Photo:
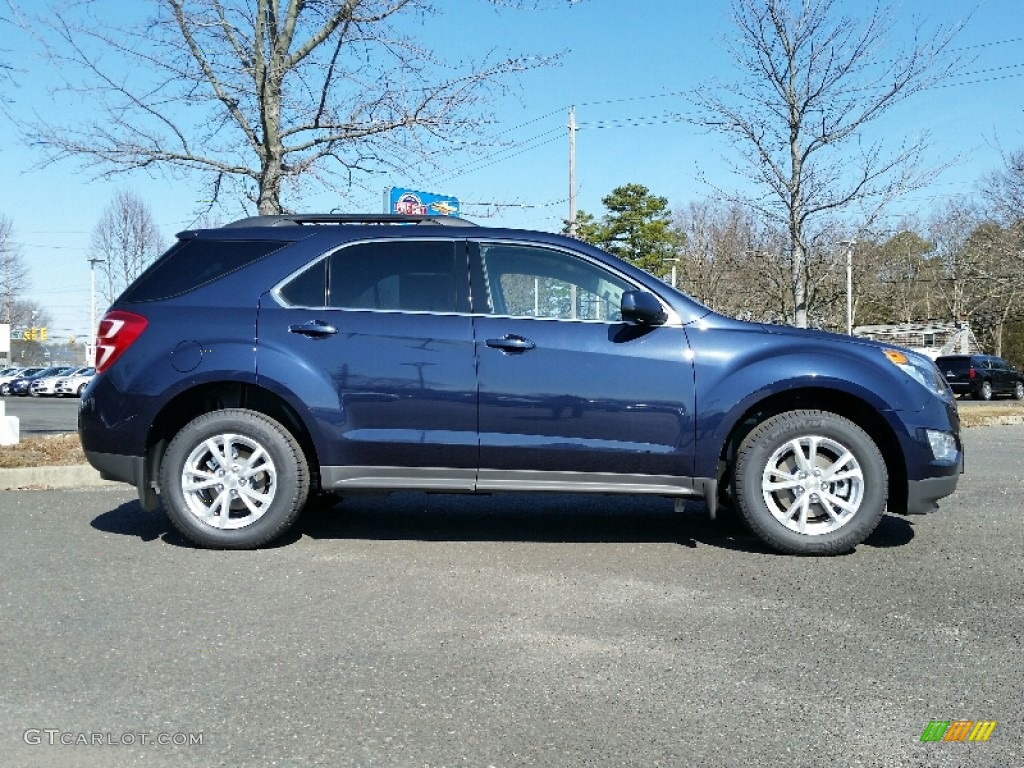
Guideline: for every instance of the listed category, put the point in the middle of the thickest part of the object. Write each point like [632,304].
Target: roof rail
[306,219]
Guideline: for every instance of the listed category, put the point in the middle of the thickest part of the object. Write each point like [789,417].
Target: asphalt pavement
[43,415]
[420,630]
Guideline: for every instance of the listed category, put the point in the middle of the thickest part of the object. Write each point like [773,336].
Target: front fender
[735,369]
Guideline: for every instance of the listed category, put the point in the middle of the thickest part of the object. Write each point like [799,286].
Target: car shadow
[543,518]
[554,518]
[892,531]
[129,519]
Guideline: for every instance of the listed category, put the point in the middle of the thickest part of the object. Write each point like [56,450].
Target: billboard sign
[416,203]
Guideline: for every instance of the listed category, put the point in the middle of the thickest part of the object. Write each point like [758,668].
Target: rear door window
[389,276]
[399,275]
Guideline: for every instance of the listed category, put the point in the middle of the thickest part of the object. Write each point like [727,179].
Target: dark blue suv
[257,364]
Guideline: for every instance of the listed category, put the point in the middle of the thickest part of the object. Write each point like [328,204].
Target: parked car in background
[76,383]
[281,356]
[981,376]
[22,386]
[14,375]
[6,374]
[46,386]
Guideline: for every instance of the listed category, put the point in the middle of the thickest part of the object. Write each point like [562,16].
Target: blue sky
[622,63]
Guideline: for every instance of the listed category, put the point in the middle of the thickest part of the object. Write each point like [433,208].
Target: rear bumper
[126,469]
[117,466]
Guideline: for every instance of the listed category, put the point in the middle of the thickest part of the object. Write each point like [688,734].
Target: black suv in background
[981,376]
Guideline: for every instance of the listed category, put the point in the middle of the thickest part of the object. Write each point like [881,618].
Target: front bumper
[923,495]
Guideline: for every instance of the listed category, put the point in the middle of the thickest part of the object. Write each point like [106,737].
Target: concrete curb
[40,478]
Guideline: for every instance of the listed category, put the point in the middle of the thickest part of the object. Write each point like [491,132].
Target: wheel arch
[843,404]
[215,396]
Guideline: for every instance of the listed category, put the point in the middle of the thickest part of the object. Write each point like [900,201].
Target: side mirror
[642,308]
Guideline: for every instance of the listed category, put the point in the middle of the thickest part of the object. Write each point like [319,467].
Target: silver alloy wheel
[1018,391]
[228,481]
[813,485]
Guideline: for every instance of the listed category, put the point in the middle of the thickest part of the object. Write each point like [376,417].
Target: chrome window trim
[673,321]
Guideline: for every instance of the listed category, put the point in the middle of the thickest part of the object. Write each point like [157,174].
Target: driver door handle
[510,343]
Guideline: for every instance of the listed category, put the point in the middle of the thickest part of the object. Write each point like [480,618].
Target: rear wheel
[810,482]
[234,479]
[984,391]
[1018,391]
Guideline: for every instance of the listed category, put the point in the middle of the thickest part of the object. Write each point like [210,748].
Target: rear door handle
[511,343]
[315,329]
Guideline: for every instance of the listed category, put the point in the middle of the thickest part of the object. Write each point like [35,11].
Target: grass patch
[44,451]
[991,414]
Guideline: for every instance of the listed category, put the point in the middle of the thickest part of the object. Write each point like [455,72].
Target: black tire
[984,391]
[264,487]
[81,389]
[772,509]
[1018,391]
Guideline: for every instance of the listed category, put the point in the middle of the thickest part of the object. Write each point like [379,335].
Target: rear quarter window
[192,263]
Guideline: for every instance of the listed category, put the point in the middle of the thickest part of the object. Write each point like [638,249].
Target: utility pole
[91,349]
[849,284]
[572,171]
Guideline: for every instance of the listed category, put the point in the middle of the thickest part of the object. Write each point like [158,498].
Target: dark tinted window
[954,364]
[412,276]
[308,289]
[195,262]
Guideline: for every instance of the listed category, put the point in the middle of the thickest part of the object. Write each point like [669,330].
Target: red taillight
[116,333]
[970,372]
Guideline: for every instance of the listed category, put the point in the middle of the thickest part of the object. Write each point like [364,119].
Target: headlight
[922,370]
[943,445]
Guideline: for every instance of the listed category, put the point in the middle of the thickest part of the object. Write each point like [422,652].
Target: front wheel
[1018,391]
[233,479]
[810,482]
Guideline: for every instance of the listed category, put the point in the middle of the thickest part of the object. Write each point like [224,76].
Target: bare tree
[8,24]
[811,79]
[268,95]
[717,238]
[14,279]
[895,277]
[981,277]
[125,240]
[1004,189]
